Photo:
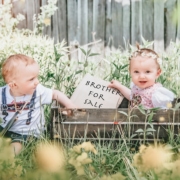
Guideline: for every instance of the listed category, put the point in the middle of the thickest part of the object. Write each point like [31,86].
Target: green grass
[114,159]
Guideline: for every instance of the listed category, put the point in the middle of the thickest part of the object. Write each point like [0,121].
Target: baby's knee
[17,147]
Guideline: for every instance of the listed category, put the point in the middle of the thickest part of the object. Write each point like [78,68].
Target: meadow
[84,160]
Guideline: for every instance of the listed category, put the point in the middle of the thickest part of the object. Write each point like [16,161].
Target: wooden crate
[113,124]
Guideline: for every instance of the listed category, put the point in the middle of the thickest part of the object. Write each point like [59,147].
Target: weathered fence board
[135,22]
[82,32]
[171,26]
[32,7]
[178,21]
[99,18]
[62,21]
[147,20]
[90,20]
[108,35]
[159,25]
[19,7]
[117,23]
[126,20]
[72,21]
[54,27]
[99,25]
[78,21]
[47,29]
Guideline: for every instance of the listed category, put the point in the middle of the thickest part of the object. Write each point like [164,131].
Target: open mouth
[142,82]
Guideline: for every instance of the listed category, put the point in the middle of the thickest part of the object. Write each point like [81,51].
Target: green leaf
[115,65]
[83,51]
[57,55]
[77,72]
[141,109]
[50,74]
[155,109]
[143,40]
[122,112]
[140,131]
[86,64]
[124,66]
[93,54]
[134,115]
[69,77]
[116,74]
[150,130]
[88,51]
[151,125]
[150,117]
[134,135]
[177,106]
[174,91]
[149,133]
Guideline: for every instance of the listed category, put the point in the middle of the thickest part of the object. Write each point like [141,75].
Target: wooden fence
[111,21]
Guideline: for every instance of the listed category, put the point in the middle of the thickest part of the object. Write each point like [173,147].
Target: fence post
[82,14]
[117,24]
[19,7]
[99,23]
[47,29]
[62,20]
[135,22]
[178,21]
[170,24]
[72,21]
[159,26]
[147,20]
[32,7]
[126,21]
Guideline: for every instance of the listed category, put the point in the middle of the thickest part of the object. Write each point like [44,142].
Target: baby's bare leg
[17,147]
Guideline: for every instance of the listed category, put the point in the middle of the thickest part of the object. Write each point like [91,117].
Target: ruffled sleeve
[131,85]
[161,97]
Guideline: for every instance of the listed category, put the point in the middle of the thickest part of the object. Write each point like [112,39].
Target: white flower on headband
[135,54]
[143,54]
[152,55]
[149,54]
[159,61]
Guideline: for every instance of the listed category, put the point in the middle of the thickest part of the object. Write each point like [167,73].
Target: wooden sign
[93,92]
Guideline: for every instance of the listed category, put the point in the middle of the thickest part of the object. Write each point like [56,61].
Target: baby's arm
[63,99]
[123,89]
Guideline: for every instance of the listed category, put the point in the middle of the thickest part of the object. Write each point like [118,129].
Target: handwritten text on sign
[93,92]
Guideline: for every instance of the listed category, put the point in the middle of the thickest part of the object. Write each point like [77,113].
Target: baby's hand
[68,112]
[114,84]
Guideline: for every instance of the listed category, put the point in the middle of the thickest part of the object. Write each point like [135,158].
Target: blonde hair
[12,63]
[145,52]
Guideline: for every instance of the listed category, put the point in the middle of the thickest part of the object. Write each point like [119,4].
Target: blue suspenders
[5,108]
[31,107]
[4,104]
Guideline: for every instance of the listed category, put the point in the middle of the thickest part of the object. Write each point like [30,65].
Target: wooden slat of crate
[107,123]
[82,121]
[97,131]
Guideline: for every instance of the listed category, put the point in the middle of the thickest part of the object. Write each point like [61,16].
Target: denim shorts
[15,137]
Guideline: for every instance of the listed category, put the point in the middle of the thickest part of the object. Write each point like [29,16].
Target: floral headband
[142,53]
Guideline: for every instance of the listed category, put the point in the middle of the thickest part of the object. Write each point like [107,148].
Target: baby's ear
[12,84]
[159,72]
